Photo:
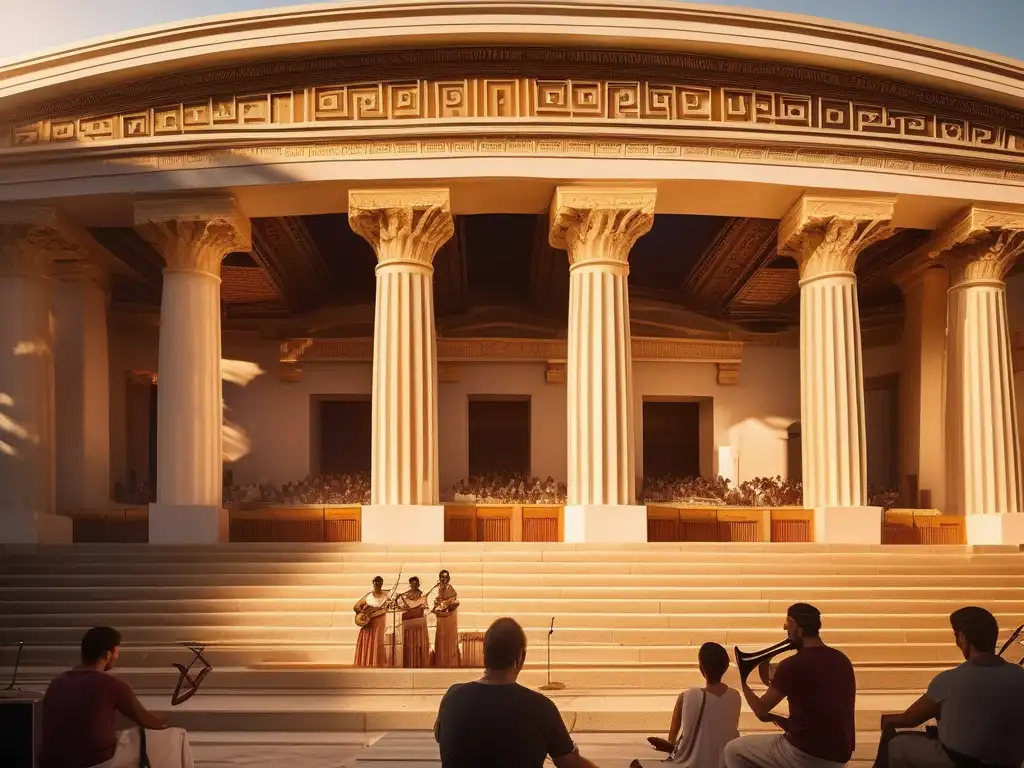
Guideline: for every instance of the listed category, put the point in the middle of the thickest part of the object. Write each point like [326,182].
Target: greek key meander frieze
[480,101]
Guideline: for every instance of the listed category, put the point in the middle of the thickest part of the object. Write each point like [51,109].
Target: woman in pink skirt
[446,609]
[370,643]
[415,640]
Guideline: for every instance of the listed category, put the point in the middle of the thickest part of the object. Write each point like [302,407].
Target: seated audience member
[708,717]
[979,706]
[497,723]
[78,716]
[819,683]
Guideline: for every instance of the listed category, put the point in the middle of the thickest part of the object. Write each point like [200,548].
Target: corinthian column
[193,236]
[598,228]
[825,236]
[983,468]
[405,227]
[28,243]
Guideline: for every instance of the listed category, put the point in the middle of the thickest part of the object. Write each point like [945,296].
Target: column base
[605,524]
[187,524]
[35,528]
[1005,528]
[848,525]
[403,524]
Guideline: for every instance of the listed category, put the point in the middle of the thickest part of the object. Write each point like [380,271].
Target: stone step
[586,710]
[344,630]
[343,641]
[417,749]
[336,674]
[774,607]
[809,591]
[470,550]
[629,581]
[21,614]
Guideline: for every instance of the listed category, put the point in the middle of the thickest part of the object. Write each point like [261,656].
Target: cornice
[513,350]
[306,31]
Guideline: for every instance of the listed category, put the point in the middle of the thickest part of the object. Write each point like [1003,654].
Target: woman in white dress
[704,719]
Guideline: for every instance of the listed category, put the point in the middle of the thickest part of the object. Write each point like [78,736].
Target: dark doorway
[139,484]
[345,436]
[499,436]
[671,439]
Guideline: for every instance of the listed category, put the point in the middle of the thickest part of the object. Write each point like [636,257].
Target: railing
[524,522]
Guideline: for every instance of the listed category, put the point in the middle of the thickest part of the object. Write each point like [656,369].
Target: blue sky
[27,26]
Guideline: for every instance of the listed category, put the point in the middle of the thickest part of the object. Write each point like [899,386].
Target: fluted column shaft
[27,447]
[983,466]
[826,235]
[193,237]
[598,228]
[406,228]
[832,388]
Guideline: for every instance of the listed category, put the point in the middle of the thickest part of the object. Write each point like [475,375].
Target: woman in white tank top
[704,719]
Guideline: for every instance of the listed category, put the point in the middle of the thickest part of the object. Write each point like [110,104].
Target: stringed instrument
[444,607]
[369,613]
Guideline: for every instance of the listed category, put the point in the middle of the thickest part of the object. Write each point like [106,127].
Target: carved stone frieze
[600,224]
[196,234]
[826,234]
[402,225]
[548,351]
[306,101]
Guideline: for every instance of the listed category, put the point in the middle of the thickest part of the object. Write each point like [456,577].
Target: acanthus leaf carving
[600,225]
[826,235]
[402,226]
[194,235]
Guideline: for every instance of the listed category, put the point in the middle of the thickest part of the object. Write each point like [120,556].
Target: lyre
[184,675]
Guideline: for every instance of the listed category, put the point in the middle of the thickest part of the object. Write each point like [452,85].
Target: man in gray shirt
[979,707]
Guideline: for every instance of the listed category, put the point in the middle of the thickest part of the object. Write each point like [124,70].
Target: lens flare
[235,440]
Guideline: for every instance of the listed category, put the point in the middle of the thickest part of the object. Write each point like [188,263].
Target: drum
[472,644]
[390,660]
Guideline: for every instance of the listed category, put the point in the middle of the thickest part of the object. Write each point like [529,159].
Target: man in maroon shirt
[79,710]
[820,686]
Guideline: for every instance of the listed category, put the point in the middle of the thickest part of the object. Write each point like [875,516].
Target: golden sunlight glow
[37,347]
[10,427]
[235,440]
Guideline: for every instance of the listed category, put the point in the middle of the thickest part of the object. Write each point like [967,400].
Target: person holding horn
[821,688]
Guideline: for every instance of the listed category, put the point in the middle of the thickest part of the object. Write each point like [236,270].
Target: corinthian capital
[33,238]
[402,225]
[979,244]
[194,235]
[826,234]
[600,224]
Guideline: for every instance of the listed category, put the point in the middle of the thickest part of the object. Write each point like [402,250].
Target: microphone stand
[551,686]
[17,664]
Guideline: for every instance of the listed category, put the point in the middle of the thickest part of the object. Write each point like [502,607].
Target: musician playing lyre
[371,613]
[415,639]
[446,609]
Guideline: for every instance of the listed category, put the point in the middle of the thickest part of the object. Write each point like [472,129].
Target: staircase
[629,621]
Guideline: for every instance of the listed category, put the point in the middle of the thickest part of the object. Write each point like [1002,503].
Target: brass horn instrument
[1016,633]
[748,662]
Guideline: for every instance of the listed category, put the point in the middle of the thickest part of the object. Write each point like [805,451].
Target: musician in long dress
[415,640]
[370,643]
[446,636]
